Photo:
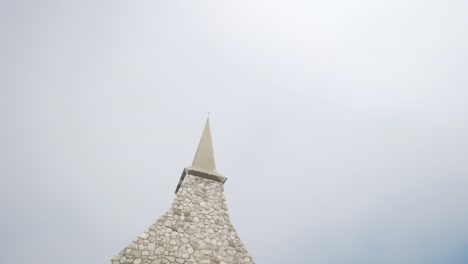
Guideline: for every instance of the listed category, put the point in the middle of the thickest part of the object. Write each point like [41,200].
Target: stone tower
[196,228]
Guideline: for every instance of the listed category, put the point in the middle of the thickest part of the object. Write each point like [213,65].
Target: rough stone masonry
[197,228]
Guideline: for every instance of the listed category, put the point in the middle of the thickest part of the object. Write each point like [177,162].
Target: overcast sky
[342,126]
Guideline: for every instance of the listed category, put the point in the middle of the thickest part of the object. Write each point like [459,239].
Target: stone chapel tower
[197,228]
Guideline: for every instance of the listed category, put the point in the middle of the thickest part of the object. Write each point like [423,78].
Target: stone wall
[196,229]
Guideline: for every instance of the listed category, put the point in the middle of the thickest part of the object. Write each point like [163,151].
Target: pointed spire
[204,158]
[204,163]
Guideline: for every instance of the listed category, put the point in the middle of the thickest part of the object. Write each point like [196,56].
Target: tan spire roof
[204,158]
[204,163]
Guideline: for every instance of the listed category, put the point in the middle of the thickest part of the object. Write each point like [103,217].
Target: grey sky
[341,125]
